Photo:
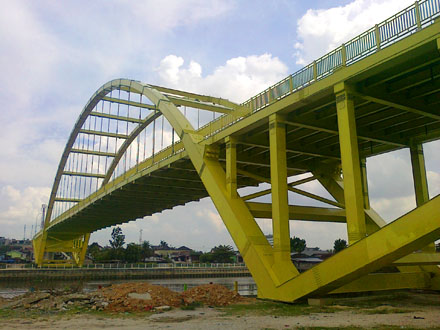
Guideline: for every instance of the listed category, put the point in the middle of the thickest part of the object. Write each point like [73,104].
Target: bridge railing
[406,22]
[130,266]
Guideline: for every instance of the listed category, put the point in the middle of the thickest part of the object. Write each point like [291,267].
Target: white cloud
[20,207]
[238,79]
[168,14]
[322,30]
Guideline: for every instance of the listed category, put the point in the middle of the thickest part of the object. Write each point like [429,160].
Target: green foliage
[118,238]
[297,244]
[164,245]
[206,258]
[146,250]
[132,253]
[339,245]
[191,306]
[94,250]
[4,249]
[219,254]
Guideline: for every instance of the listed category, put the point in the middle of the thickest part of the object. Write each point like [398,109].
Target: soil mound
[211,294]
[139,297]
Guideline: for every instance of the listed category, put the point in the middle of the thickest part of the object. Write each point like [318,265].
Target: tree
[222,253]
[164,245]
[146,250]
[339,245]
[93,250]
[206,257]
[118,239]
[297,244]
[132,253]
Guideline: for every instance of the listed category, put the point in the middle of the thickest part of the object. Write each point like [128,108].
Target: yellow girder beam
[297,212]
[390,281]
[268,191]
[353,190]
[115,117]
[204,98]
[93,152]
[280,203]
[397,105]
[381,248]
[130,103]
[108,134]
[199,105]
[421,258]
[231,167]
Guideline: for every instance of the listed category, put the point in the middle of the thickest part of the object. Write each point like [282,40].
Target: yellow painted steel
[311,122]
[278,174]
[353,191]
[231,167]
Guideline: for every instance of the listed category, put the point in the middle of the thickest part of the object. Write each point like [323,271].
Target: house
[303,261]
[269,239]
[16,255]
[182,254]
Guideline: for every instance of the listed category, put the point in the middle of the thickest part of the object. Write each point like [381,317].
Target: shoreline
[17,275]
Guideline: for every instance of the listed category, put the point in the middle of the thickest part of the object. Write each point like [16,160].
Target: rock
[140,296]
[162,308]
[28,301]
[75,297]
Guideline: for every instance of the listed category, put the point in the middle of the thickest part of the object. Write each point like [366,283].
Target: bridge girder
[327,127]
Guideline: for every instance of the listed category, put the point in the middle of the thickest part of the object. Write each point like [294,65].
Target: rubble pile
[125,297]
[211,294]
[139,297]
[48,301]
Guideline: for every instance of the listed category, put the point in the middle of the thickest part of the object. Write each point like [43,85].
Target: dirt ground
[215,307]
[207,318]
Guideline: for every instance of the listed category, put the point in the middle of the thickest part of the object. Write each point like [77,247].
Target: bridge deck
[396,96]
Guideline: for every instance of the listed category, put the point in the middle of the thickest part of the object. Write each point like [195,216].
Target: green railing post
[417,10]
[344,55]
[377,33]
[315,71]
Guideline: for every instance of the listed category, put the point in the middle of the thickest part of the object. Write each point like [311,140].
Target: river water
[246,285]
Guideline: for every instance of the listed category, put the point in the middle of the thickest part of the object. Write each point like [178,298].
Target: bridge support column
[280,206]
[80,248]
[420,181]
[39,245]
[353,191]
[422,197]
[231,166]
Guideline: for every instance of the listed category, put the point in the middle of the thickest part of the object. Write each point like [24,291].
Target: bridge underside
[324,131]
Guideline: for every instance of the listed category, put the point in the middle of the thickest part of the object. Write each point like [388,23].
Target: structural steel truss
[135,151]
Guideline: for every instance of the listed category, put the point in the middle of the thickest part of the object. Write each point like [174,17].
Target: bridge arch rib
[321,115]
[145,92]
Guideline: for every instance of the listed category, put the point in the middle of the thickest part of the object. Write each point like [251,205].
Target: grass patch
[385,311]
[261,307]
[192,306]
[392,299]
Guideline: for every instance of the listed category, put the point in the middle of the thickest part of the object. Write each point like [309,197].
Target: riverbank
[398,310]
[123,272]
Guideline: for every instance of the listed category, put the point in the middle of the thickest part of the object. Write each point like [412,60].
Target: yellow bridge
[133,152]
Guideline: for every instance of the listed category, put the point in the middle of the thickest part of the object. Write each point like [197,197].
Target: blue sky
[54,55]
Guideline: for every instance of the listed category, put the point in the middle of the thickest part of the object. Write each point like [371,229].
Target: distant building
[16,255]
[182,254]
[269,239]
[303,261]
